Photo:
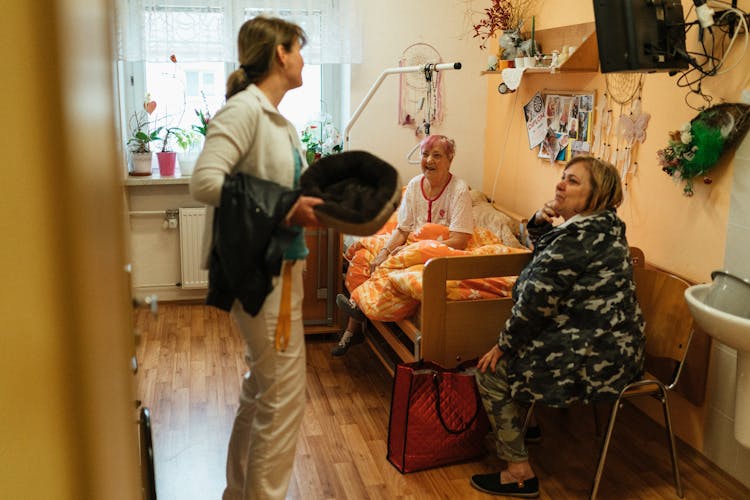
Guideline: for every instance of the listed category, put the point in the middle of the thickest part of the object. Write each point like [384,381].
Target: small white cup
[491,63]
[520,62]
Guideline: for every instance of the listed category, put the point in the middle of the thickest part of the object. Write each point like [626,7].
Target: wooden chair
[637,256]
[669,328]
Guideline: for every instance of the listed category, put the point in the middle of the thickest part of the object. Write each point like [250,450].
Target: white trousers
[264,435]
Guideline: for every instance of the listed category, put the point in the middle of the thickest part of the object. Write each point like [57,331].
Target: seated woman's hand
[383,255]
[490,359]
[379,259]
[547,213]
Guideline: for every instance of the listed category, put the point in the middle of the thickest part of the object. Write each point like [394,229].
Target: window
[179,89]
[181,53]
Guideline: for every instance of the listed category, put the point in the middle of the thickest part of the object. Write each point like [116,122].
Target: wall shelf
[585,58]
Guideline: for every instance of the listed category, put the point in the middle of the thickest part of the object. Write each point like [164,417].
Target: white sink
[732,331]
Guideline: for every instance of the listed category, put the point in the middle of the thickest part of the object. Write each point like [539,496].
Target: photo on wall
[555,145]
[536,120]
[568,117]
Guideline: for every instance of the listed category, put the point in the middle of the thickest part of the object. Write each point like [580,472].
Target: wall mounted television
[640,35]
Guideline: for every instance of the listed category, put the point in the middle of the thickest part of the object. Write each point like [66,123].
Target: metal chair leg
[672,445]
[605,447]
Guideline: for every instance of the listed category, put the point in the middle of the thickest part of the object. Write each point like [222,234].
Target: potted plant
[507,17]
[188,142]
[204,119]
[320,138]
[139,142]
[167,156]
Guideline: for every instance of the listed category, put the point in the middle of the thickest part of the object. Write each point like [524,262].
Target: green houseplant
[141,137]
[167,156]
[320,138]
[139,143]
[204,119]
[189,145]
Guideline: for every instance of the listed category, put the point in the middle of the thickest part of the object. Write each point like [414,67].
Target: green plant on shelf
[320,138]
[171,135]
[204,119]
[186,139]
[139,127]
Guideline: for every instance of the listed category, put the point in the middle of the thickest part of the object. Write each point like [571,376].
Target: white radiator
[192,221]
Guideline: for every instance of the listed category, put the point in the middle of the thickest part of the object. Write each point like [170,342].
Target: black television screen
[640,35]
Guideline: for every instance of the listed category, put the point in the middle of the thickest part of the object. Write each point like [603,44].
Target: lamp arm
[379,81]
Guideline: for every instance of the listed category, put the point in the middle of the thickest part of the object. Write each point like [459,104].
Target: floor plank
[190,366]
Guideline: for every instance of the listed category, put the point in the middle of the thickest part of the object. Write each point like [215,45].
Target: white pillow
[487,216]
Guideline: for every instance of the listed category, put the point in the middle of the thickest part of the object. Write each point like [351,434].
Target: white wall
[721,446]
[389,27]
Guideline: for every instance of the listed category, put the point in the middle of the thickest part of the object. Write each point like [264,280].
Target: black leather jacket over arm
[249,240]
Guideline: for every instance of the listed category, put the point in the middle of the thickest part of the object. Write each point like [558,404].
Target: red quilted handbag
[436,418]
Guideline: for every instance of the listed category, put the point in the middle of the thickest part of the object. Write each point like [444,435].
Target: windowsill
[155,179]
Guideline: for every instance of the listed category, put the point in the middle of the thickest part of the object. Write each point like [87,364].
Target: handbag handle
[440,413]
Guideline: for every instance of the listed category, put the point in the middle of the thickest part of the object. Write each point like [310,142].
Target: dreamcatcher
[420,92]
[616,139]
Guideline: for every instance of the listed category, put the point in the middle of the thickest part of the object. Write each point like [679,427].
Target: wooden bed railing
[451,331]
[454,331]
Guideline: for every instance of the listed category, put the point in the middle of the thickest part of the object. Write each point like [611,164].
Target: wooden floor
[190,364]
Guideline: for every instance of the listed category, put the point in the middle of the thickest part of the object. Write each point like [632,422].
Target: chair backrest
[636,255]
[669,324]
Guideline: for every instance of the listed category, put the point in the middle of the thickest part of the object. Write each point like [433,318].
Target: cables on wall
[718,29]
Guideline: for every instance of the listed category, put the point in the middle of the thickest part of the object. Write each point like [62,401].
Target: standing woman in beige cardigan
[249,135]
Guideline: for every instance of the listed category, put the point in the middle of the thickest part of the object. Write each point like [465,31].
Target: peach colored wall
[684,235]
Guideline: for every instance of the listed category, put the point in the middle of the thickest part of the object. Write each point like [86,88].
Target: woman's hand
[490,359]
[302,213]
[379,259]
[547,212]
[396,241]
[459,241]
[382,256]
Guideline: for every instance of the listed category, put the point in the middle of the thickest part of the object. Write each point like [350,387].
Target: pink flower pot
[166,161]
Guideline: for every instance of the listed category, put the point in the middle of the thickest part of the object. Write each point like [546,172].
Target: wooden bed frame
[449,332]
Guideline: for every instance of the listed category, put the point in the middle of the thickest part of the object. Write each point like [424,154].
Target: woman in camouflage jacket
[575,331]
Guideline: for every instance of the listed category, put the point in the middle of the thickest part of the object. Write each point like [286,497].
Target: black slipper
[490,483]
[352,310]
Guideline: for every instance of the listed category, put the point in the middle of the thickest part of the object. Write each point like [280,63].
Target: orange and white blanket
[394,290]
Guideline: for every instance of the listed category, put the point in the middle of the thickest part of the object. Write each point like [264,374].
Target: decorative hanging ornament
[631,130]
[694,149]
[623,89]
[599,127]
[420,99]
[149,105]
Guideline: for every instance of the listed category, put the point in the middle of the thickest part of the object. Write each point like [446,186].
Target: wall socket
[745,96]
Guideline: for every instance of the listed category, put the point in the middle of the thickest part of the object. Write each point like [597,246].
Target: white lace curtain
[206,30]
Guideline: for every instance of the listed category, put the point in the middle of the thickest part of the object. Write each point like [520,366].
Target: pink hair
[448,145]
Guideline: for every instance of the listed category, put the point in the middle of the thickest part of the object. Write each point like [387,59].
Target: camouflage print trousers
[507,417]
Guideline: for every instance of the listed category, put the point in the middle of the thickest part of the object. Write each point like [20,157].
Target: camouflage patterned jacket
[576,330]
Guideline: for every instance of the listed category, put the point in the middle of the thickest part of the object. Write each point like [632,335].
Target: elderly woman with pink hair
[435,196]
